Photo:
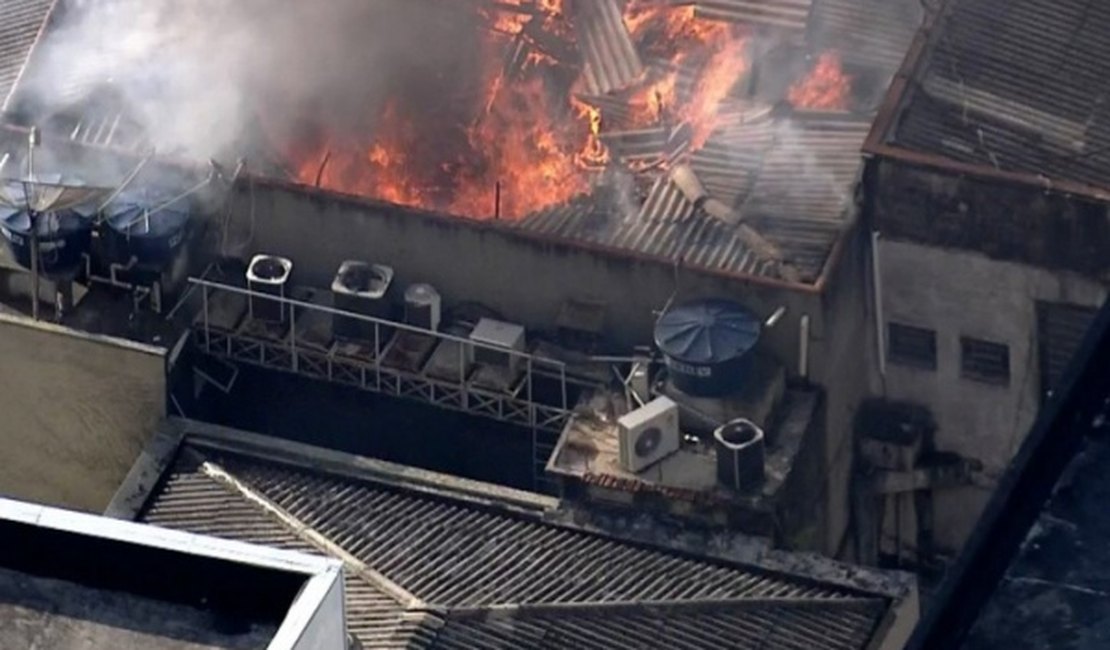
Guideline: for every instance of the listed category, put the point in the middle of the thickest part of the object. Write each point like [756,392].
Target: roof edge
[942,163]
[356,467]
[138,486]
[878,141]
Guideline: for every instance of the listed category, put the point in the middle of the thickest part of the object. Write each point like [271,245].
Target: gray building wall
[526,278]
[75,411]
[959,293]
[967,256]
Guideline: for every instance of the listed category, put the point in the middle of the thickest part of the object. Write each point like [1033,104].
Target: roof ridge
[317,459]
[649,606]
[305,532]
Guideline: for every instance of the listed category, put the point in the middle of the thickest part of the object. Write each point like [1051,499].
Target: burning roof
[575,119]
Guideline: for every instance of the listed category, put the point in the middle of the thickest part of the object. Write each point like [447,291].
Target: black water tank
[707,345]
[740,456]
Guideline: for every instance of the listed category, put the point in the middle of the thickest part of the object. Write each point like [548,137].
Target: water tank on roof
[63,236]
[707,345]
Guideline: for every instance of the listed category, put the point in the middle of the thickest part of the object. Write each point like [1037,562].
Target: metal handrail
[371,319]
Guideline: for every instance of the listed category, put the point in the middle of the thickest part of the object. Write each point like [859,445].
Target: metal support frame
[366,370]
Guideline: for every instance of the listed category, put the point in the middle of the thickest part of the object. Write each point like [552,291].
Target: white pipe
[775,317]
[803,346]
[877,287]
[126,181]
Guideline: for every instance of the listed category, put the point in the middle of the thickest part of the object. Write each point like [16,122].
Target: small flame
[826,87]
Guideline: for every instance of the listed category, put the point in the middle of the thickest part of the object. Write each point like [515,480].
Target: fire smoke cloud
[218,78]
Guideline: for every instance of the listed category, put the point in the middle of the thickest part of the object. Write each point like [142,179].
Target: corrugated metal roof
[866,32]
[20,22]
[1019,87]
[470,567]
[768,626]
[792,179]
[611,60]
[786,14]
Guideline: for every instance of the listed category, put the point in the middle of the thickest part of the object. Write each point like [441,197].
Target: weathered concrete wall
[1003,221]
[523,277]
[843,346]
[75,412]
[959,293]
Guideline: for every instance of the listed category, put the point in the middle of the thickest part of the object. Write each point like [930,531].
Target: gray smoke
[220,78]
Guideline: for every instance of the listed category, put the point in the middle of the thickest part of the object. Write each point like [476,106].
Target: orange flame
[525,143]
[826,87]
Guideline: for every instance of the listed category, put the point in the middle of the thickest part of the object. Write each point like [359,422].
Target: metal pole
[377,359]
[497,200]
[32,142]
[563,380]
[293,335]
[207,332]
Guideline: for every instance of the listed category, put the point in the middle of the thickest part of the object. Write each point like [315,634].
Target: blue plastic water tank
[153,239]
[707,345]
[63,236]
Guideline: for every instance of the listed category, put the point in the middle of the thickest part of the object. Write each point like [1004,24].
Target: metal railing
[517,403]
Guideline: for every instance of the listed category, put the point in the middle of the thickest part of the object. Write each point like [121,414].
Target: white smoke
[210,78]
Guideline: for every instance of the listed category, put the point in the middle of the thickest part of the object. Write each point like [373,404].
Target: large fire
[528,137]
[826,87]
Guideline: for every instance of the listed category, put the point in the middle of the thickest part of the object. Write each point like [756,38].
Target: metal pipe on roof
[803,347]
[126,181]
[877,289]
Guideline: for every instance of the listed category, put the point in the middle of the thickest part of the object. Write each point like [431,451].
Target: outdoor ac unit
[648,434]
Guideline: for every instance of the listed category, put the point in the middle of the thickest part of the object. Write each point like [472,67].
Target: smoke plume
[221,79]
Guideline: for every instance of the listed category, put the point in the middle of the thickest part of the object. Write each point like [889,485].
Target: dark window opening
[984,361]
[912,346]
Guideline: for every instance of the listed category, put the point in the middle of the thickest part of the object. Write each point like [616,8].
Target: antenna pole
[32,142]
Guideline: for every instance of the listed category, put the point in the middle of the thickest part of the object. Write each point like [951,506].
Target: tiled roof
[440,571]
[1018,87]
[20,22]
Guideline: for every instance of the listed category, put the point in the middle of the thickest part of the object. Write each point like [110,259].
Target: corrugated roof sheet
[768,626]
[866,32]
[20,22]
[792,179]
[786,14]
[1017,86]
[483,577]
[611,60]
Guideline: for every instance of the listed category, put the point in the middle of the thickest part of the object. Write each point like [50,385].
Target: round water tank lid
[707,331]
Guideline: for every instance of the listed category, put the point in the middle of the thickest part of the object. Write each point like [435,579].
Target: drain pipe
[803,347]
[113,280]
[877,287]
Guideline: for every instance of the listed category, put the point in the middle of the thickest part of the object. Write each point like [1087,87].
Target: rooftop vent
[361,288]
[423,306]
[740,456]
[268,274]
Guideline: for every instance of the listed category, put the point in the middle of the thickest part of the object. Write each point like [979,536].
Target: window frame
[977,373]
[898,354]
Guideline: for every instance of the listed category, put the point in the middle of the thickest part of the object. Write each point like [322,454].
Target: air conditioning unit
[648,434]
[423,306]
[496,336]
[360,288]
[268,274]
